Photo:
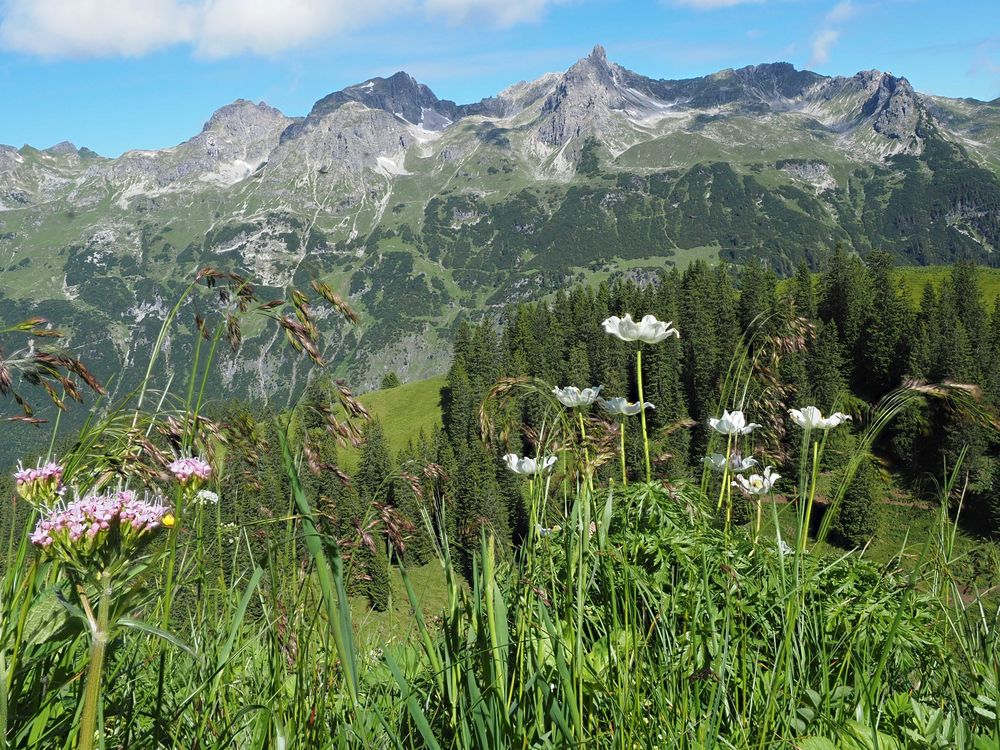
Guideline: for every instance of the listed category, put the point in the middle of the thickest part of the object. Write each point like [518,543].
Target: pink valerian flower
[85,518]
[41,485]
[190,470]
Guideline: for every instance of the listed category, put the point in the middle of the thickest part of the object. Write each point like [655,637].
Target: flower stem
[642,412]
[98,643]
[804,535]
[725,473]
[758,519]
[622,450]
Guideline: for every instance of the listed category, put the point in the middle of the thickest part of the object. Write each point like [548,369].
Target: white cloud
[72,28]
[497,12]
[987,63]
[821,45]
[218,28]
[842,11]
[830,32]
[269,26]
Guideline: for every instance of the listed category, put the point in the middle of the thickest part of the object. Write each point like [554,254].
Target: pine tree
[845,292]
[882,350]
[757,296]
[857,518]
[804,293]
[373,477]
[390,380]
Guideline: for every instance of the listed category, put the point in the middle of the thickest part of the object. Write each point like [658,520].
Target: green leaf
[159,633]
[815,743]
[48,615]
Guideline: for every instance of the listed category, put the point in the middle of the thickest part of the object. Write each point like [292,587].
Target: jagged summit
[241,110]
[63,147]
[598,55]
[400,94]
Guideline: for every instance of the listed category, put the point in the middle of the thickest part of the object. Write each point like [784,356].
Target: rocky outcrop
[235,141]
[585,99]
[347,139]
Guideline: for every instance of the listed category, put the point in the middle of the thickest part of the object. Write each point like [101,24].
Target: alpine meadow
[607,411]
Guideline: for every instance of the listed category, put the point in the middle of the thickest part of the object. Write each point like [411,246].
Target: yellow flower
[168,520]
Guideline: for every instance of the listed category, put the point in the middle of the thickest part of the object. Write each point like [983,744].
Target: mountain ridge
[403,95]
[423,212]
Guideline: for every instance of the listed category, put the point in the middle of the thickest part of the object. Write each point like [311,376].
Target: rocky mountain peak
[892,104]
[583,99]
[237,115]
[62,148]
[399,94]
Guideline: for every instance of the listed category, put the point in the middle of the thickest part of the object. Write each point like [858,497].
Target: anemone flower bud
[732,423]
[811,418]
[648,330]
[571,396]
[619,406]
[737,464]
[528,465]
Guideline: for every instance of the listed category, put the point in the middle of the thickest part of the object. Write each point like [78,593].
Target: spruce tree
[857,518]
[373,477]
[374,482]
[882,349]
[826,368]
[757,296]
[410,504]
[804,293]
[845,293]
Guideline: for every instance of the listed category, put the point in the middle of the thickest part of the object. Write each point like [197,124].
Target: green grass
[396,624]
[405,411]
[915,278]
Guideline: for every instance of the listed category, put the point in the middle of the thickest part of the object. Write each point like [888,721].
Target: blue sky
[121,74]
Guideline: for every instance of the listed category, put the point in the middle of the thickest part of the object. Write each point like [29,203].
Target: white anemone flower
[737,464]
[811,418]
[648,330]
[621,407]
[732,423]
[758,484]
[528,465]
[572,396]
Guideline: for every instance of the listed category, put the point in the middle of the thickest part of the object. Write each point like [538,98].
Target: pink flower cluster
[50,472]
[186,469]
[88,516]
[40,485]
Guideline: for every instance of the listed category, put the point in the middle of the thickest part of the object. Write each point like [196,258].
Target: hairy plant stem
[642,411]
[807,513]
[726,491]
[622,451]
[99,637]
